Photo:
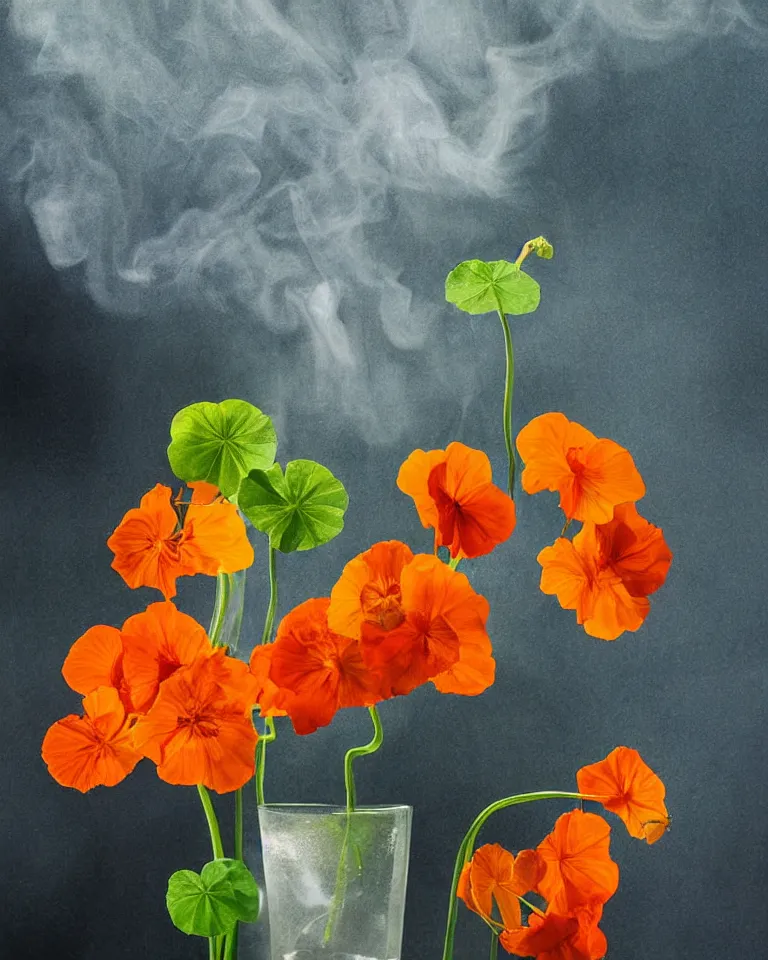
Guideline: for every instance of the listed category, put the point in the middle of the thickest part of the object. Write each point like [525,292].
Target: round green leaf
[479,287]
[211,902]
[299,510]
[220,443]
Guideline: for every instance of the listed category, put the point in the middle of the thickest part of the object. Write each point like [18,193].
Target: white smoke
[255,156]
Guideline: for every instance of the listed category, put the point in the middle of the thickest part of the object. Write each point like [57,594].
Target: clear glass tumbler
[335,881]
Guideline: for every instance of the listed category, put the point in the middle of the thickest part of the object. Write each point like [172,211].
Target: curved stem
[266,635]
[349,783]
[528,248]
[467,846]
[223,587]
[509,386]
[213,823]
[565,527]
[351,755]
[261,758]
[454,562]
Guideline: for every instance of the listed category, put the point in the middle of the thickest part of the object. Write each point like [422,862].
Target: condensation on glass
[335,881]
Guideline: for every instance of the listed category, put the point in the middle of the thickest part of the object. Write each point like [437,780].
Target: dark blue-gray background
[236,199]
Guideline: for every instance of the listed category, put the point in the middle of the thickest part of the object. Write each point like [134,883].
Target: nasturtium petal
[220,443]
[479,287]
[299,510]
[210,903]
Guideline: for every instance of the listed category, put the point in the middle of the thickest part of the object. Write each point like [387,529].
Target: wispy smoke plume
[254,156]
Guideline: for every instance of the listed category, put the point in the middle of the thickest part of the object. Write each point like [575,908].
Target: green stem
[239,824]
[218,852]
[213,823]
[530,906]
[467,845]
[349,783]
[509,385]
[565,527]
[494,945]
[351,755]
[261,758]
[230,943]
[266,636]
[454,562]
[223,588]
[270,619]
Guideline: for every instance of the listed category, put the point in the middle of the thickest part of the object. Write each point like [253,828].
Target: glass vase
[335,881]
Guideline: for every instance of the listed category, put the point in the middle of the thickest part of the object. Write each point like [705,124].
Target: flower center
[382,604]
[576,459]
[199,724]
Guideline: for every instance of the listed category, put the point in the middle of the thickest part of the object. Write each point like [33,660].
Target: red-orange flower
[323,671]
[416,620]
[575,936]
[443,637]
[95,749]
[578,865]
[629,788]
[494,873]
[199,729]
[156,643]
[152,548]
[592,475]
[607,571]
[454,493]
[96,660]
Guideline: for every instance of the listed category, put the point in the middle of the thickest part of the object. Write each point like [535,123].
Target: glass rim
[333,808]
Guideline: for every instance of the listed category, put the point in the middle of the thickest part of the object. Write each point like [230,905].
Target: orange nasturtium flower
[322,670]
[628,787]
[152,547]
[578,865]
[454,493]
[96,660]
[572,936]
[199,729]
[136,659]
[494,873]
[156,643]
[607,571]
[416,620]
[95,749]
[592,475]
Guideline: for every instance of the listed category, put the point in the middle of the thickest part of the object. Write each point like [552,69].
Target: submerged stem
[349,782]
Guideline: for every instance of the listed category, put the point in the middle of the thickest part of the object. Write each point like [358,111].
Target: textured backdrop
[262,201]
